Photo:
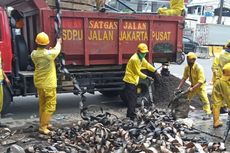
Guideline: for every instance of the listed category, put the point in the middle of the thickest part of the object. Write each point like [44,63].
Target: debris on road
[152,131]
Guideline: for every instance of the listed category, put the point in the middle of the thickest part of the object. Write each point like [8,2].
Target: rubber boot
[44,121]
[50,127]
[216,120]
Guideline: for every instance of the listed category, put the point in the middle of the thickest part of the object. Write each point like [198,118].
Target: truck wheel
[110,93]
[7,99]
[180,58]
[22,51]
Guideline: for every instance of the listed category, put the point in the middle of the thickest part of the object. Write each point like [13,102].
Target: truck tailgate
[94,38]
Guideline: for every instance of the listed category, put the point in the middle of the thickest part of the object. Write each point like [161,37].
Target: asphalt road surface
[27,107]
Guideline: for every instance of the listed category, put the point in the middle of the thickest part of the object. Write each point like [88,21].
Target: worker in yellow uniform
[132,75]
[176,8]
[217,66]
[196,76]
[45,79]
[220,61]
[220,93]
[3,77]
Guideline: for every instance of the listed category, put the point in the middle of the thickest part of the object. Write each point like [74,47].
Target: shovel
[179,105]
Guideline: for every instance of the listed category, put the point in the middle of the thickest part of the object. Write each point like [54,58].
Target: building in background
[207,11]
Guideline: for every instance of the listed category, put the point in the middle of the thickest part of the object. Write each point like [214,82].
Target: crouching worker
[220,93]
[176,8]
[195,73]
[45,79]
[132,75]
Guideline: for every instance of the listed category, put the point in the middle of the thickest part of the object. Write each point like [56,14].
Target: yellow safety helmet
[143,48]
[42,39]
[191,55]
[226,69]
[226,72]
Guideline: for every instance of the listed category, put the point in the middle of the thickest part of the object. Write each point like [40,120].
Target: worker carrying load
[132,75]
[217,67]
[45,79]
[220,93]
[176,8]
[196,76]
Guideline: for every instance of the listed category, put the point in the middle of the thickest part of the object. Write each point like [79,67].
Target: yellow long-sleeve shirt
[218,64]
[195,74]
[45,71]
[133,69]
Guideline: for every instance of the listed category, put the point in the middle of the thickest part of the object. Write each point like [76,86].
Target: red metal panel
[132,33]
[164,36]
[119,44]
[150,56]
[41,4]
[5,42]
[73,36]
[179,35]
[91,38]
[85,42]
[102,39]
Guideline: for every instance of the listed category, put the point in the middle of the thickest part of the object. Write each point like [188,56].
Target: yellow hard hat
[191,55]
[143,48]
[42,39]
[226,68]
[226,72]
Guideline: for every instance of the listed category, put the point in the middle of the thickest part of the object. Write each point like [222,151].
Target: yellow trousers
[169,12]
[201,92]
[47,100]
[214,78]
[1,98]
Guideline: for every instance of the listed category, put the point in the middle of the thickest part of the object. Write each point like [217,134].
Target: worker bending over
[195,73]
[132,75]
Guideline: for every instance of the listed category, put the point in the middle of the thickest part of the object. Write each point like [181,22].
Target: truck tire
[22,51]
[7,99]
[110,93]
[180,58]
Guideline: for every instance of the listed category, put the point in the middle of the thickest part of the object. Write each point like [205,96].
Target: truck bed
[94,38]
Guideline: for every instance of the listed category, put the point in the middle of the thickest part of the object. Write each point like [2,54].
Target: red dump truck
[96,45]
